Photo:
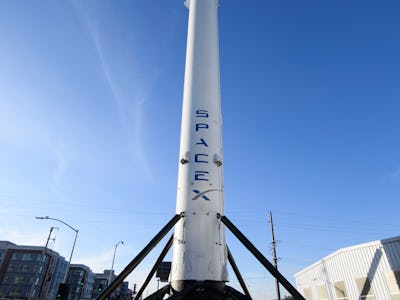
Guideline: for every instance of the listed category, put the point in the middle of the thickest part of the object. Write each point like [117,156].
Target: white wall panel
[372,260]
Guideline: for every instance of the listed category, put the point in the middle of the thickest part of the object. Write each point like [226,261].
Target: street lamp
[112,265]
[73,246]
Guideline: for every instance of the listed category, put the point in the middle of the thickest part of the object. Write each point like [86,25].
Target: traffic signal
[63,291]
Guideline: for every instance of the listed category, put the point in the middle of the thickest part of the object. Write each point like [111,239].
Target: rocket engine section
[199,247]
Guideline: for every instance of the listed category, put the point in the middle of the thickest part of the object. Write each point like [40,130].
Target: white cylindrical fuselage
[199,249]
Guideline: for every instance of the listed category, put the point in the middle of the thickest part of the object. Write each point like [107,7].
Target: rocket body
[199,248]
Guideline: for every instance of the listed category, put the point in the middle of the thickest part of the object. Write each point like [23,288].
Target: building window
[41,257]
[322,292]
[341,291]
[27,256]
[24,268]
[365,289]
[307,293]
[10,268]
[393,280]
[17,292]
[19,279]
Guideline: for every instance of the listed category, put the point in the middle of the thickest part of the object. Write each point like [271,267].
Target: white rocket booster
[199,248]
[200,254]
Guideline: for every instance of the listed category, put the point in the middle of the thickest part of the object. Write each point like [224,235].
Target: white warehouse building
[366,271]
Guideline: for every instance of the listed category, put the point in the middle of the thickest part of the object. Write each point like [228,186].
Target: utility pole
[41,268]
[275,258]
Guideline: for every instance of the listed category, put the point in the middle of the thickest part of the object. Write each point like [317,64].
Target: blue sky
[90,108]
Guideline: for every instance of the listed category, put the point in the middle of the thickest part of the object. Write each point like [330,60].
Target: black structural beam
[286,284]
[133,264]
[154,269]
[157,295]
[237,273]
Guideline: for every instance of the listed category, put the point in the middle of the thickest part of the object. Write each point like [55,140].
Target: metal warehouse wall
[343,274]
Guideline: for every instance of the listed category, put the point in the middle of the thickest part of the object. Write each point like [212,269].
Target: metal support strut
[154,269]
[261,258]
[133,264]
[237,273]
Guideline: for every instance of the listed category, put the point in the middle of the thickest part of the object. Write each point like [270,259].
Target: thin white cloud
[22,238]
[136,146]
[23,130]
[130,109]
[95,36]
[131,121]
[98,262]
[4,210]
[61,167]
[20,128]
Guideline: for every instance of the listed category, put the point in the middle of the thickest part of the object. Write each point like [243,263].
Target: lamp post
[112,265]
[73,246]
